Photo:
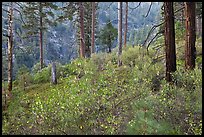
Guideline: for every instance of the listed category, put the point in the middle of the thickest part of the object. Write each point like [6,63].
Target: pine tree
[190,49]
[38,16]
[93,28]
[119,33]
[108,35]
[169,40]
[126,25]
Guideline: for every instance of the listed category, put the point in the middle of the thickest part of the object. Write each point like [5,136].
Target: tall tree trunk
[10,49]
[93,29]
[169,40]
[41,38]
[126,18]
[190,49]
[82,40]
[119,33]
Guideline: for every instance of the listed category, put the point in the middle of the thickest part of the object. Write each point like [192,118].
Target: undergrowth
[94,96]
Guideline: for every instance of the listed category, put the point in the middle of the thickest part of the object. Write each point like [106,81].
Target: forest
[101,68]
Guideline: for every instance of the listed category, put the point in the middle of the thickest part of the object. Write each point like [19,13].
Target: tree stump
[54,77]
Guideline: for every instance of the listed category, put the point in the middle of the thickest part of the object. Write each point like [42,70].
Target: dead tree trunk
[190,49]
[82,40]
[119,33]
[199,26]
[93,29]
[126,18]
[10,49]
[41,39]
[54,76]
[169,40]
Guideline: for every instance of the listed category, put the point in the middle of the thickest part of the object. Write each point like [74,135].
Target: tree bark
[119,33]
[169,40]
[93,29]
[82,40]
[10,49]
[190,49]
[41,38]
[126,18]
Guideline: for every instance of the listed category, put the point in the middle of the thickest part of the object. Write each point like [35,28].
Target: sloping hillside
[94,96]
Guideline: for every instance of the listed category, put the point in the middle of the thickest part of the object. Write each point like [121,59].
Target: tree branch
[135,7]
[152,29]
[148,10]
[20,15]
[19,5]
[5,10]
[109,6]
[179,10]
[160,32]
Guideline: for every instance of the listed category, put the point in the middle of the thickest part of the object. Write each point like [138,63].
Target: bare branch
[109,6]
[5,10]
[152,29]
[19,5]
[20,15]
[178,10]
[160,32]
[135,7]
[148,10]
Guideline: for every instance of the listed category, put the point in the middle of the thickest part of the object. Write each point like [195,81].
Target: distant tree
[119,33]
[198,13]
[108,35]
[190,49]
[126,25]
[10,48]
[169,34]
[38,16]
[82,40]
[93,28]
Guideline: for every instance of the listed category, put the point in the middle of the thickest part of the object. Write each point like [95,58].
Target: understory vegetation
[95,96]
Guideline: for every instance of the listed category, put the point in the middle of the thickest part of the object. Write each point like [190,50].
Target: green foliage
[36,68]
[42,76]
[24,77]
[179,30]
[144,122]
[181,103]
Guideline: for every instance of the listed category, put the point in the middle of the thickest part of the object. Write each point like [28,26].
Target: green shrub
[95,96]
[43,76]
[181,102]
[24,77]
